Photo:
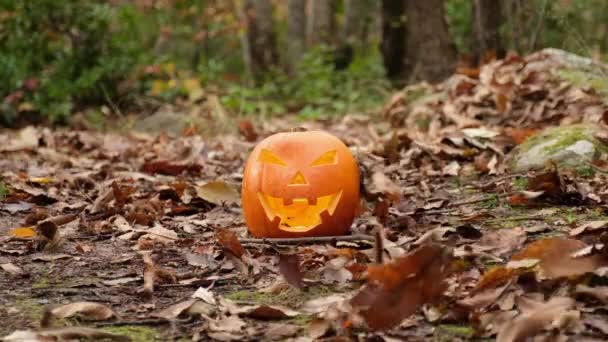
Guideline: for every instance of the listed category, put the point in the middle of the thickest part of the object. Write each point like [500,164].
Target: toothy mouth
[299,214]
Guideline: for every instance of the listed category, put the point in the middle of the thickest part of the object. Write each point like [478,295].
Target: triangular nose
[298,179]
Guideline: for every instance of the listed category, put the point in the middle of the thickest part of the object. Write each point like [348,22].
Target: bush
[316,89]
[58,54]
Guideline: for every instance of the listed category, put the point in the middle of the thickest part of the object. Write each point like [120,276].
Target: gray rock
[567,146]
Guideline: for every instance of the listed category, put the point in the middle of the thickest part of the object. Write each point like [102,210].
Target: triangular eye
[327,158]
[268,157]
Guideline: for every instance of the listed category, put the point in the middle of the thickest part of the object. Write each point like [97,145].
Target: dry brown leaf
[555,259]
[65,334]
[170,168]
[87,310]
[593,225]
[218,193]
[12,269]
[383,185]
[538,318]
[396,290]
[289,266]
[229,242]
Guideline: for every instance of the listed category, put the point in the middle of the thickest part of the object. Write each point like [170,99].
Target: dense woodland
[315,58]
[303,170]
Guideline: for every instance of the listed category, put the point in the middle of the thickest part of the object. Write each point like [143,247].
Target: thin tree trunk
[296,32]
[430,52]
[356,13]
[261,36]
[393,38]
[487,19]
[321,26]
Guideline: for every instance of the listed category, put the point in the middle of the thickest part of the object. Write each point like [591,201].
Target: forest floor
[124,236]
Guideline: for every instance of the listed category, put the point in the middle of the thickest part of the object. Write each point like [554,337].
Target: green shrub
[316,89]
[58,54]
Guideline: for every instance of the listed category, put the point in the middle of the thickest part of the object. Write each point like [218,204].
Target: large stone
[567,146]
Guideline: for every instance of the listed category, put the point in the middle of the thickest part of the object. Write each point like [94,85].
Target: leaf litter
[106,229]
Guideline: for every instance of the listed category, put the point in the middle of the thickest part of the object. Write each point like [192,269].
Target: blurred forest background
[92,60]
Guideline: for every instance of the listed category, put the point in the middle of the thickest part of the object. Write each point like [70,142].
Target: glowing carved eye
[326,158]
[269,157]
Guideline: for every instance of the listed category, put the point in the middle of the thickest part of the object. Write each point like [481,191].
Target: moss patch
[585,79]
[137,333]
[449,332]
[3,191]
[28,316]
[568,135]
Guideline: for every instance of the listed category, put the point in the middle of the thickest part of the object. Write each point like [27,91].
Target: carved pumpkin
[300,184]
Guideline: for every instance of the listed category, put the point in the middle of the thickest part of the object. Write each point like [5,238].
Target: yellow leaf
[24,232]
[192,84]
[25,107]
[41,180]
[172,84]
[169,68]
[158,87]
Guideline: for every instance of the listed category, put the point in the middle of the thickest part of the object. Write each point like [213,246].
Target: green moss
[43,281]
[585,171]
[137,333]
[449,332]
[301,319]
[3,191]
[490,203]
[569,135]
[585,79]
[28,315]
[520,183]
[30,308]
[291,297]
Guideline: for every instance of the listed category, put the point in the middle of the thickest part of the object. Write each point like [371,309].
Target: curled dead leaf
[396,290]
[88,310]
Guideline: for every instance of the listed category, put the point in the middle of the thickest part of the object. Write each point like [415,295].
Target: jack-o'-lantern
[300,184]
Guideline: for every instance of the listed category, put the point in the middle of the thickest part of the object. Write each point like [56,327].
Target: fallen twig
[297,241]
[142,322]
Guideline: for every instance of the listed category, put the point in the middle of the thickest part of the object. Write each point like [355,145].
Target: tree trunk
[296,32]
[261,36]
[356,15]
[393,38]
[487,19]
[321,26]
[430,53]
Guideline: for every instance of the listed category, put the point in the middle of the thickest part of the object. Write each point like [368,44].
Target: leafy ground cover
[137,236]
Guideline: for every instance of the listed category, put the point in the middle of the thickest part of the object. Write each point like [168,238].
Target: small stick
[318,239]
[142,322]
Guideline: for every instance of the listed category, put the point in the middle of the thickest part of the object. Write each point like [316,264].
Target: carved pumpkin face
[300,184]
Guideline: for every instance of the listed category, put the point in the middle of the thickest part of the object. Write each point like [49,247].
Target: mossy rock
[571,146]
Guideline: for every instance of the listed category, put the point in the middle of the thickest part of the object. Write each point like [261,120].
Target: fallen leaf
[289,266]
[383,185]
[268,312]
[88,310]
[229,242]
[50,257]
[598,292]
[218,193]
[64,334]
[555,260]
[593,225]
[538,318]
[170,168]
[396,290]
[205,295]
[247,130]
[12,269]
[23,232]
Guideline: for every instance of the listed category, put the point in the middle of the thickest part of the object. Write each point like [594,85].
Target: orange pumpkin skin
[300,184]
